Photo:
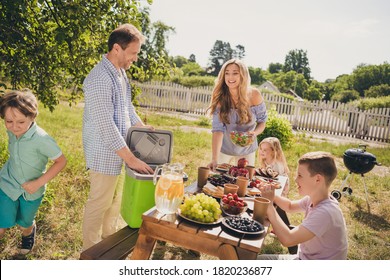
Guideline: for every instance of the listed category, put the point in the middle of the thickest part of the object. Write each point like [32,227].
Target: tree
[192,69]
[222,52]
[313,93]
[192,58]
[296,60]
[239,52]
[154,59]
[275,68]
[257,76]
[48,44]
[179,61]
[291,81]
[346,96]
[219,54]
[366,76]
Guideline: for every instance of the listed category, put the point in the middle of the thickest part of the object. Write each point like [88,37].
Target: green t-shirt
[28,158]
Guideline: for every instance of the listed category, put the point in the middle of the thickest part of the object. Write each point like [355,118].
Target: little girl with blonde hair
[270,154]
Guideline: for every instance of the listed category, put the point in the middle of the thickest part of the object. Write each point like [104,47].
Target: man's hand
[140,166]
[150,127]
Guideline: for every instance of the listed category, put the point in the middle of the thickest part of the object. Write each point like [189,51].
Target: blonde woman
[235,106]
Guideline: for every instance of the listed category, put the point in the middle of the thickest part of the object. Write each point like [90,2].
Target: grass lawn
[59,218]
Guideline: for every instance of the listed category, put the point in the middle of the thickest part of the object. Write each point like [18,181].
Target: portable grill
[358,161]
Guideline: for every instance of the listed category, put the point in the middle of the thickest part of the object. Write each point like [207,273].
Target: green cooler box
[154,148]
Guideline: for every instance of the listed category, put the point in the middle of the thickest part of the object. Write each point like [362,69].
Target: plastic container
[155,148]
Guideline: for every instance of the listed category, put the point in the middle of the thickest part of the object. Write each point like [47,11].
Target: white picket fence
[327,117]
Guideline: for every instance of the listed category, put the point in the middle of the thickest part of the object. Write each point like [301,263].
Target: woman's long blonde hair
[221,96]
[277,150]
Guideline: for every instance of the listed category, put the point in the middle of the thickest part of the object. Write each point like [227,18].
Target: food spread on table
[201,208]
[220,179]
[215,191]
[254,191]
[228,173]
[223,167]
[267,172]
[231,204]
[239,169]
[243,225]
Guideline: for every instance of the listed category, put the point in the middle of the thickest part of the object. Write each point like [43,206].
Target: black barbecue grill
[358,161]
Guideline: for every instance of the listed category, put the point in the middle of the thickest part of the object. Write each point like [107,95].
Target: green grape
[201,207]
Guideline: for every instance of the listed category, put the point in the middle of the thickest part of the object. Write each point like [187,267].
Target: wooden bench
[115,247]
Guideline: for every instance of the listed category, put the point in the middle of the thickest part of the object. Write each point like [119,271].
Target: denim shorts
[21,211]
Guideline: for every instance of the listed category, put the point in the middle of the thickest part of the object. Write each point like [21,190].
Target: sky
[337,35]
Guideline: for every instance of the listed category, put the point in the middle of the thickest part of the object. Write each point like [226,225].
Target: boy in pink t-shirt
[322,234]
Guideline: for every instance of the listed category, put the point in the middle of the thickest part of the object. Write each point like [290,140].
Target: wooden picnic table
[212,240]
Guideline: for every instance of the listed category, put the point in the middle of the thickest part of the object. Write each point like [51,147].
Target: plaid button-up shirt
[104,120]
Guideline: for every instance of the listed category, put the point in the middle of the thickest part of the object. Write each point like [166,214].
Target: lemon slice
[164,183]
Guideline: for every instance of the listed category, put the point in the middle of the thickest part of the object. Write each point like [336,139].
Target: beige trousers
[101,213]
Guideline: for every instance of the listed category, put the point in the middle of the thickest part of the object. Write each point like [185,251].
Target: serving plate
[223,170]
[217,195]
[262,229]
[223,167]
[273,181]
[198,222]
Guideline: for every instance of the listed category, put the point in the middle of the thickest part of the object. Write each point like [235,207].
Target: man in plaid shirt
[108,115]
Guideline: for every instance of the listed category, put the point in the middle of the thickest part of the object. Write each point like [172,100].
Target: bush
[370,103]
[194,81]
[346,96]
[279,127]
[378,91]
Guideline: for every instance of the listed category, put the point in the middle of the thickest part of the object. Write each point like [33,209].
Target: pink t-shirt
[326,221]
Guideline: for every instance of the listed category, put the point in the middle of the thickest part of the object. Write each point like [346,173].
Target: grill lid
[360,154]
[359,161]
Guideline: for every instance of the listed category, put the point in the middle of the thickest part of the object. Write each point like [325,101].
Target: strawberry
[232,203]
[240,204]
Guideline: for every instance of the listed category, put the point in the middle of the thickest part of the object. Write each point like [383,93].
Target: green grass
[59,218]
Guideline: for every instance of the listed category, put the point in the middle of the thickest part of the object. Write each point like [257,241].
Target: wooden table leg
[227,252]
[245,254]
[143,248]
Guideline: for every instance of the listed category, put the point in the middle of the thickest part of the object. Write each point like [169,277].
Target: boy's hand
[31,186]
[268,191]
